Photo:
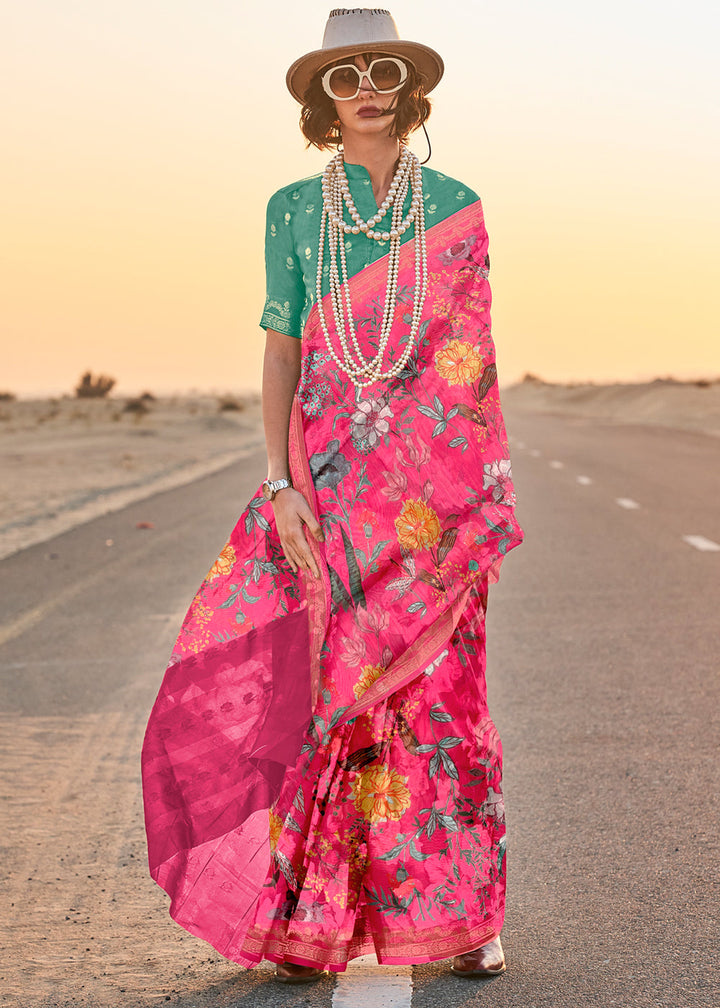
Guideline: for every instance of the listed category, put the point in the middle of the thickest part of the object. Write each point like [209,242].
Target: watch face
[268,493]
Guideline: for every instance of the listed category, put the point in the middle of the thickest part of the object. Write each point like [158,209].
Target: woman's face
[362,116]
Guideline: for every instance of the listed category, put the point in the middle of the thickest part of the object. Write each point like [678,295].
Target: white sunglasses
[385,76]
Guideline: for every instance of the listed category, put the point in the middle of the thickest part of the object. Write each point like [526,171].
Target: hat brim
[425,60]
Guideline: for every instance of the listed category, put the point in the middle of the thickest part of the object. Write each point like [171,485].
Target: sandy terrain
[663,402]
[67,461]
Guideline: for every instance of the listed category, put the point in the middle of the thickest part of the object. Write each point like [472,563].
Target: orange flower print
[275,830]
[418,527]
[380,793]
[367,677]
[458,363]
[223,565]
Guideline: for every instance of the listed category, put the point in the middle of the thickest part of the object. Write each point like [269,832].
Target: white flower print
[496,476]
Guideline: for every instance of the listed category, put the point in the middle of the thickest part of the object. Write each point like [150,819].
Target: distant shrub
[138,406]
[94,386]
[229,403]
[7,397]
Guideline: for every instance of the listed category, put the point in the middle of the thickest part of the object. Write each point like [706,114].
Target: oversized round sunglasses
[385,76]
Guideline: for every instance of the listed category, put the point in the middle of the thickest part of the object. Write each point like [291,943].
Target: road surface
[603,682]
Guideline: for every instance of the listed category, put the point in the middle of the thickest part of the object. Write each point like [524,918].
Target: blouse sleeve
[285,297]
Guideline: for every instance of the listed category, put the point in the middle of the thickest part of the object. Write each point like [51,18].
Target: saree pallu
[321,774]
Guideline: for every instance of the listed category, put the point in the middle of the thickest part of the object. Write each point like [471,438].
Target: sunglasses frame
[401,64]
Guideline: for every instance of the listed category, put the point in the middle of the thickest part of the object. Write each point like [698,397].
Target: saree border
[317,590]
[424,946]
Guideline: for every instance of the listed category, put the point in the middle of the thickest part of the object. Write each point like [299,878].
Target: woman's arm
[281,372]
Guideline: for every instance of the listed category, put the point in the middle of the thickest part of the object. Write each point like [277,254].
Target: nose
[365,83]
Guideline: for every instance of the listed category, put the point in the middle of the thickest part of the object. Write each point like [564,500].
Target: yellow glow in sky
[143,141]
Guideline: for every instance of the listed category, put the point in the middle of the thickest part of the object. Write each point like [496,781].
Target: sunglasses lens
[344,82]
[385,74]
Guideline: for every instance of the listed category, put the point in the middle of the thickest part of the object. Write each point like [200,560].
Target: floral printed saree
[322,778]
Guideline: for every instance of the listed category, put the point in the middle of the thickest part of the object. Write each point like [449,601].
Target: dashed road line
[628,503]
[555,464]
[535,452]
[701,543]
[583,480]
[364,986]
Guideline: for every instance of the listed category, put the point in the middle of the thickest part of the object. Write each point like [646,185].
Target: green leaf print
[415,853]
[448,765]
[355,578]
[449,742]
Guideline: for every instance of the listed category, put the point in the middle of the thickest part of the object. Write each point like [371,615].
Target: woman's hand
[292,511]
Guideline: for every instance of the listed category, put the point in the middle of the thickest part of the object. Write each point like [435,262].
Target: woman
[322,777]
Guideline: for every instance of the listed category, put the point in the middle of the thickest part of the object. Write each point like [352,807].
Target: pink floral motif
[373,620]
[369,422]
[418,453]
[494,805]
[497,476]
[396,485]
[460,250]
[353,650]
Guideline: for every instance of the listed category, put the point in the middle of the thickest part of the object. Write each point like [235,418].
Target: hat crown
[358,26]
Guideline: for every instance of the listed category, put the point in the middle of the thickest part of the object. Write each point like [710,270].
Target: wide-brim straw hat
[350,32]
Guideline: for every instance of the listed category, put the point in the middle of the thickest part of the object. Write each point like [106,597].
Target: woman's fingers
[298,552]
[292,512]
[310,521]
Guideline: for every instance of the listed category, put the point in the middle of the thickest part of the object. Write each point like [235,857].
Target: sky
[143,138]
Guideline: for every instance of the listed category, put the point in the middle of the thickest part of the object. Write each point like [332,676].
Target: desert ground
[67,461]
[664,402]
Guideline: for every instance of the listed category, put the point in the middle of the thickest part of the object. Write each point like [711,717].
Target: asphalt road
[603,682]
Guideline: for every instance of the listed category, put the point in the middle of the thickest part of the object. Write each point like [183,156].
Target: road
[603,681]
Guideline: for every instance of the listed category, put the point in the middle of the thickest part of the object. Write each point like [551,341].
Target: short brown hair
[321,126]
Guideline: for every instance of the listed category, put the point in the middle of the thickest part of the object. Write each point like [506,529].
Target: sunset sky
[142,140]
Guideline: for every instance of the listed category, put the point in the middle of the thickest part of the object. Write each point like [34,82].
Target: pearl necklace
[336,198]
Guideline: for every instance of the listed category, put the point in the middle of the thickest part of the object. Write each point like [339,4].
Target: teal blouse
[293,228]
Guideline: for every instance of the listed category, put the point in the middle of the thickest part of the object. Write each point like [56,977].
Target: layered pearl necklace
[336,197]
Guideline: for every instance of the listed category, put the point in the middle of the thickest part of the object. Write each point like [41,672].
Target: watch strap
[274,485]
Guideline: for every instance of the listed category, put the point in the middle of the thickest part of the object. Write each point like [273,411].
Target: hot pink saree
[321,775]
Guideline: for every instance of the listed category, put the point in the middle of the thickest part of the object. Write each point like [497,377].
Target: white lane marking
[584,480]
[535,452]
[365,985]
[627,503]
[557,465]
[521,445]
[701,543]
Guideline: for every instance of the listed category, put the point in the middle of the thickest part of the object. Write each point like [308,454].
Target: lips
[369,112]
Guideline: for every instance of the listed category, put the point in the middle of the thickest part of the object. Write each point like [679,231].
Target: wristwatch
[271,487]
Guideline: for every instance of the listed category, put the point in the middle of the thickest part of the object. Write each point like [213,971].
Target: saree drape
[321,774]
